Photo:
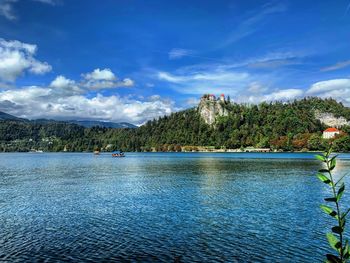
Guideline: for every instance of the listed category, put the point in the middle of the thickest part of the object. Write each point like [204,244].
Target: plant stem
[338,209]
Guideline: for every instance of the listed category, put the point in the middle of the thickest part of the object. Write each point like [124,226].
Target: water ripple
[161,207]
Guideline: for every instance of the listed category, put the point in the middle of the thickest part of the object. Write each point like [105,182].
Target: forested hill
[275,125]
[286,126]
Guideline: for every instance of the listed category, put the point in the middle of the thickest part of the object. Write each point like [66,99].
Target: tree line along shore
[277,126]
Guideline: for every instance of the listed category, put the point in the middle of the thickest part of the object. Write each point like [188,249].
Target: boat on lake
[118,154]
[36,151]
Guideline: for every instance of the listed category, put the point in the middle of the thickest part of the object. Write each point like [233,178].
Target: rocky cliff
[210,108]
[330,120]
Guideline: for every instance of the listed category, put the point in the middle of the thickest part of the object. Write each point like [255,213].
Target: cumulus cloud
[329,85]
[63,86]
[16,58]
[103,79]
[256,93]
[338,89]
[63,99]
[98,74]
[284,94]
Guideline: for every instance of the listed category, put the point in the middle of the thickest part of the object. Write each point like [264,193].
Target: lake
[155,207]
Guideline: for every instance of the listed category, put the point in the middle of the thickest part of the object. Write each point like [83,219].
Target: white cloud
[62,82]
[16,58]
[98,74]
[336,66]
[250,24]
[105,78]
[200,82]
[338,89]
[231,78]
[6,9]
[177,53]
[329,85]
[127,82]
[257,93]
[154,97]
[274,63]
[284,94]
[192,102]
[63,86]
[49,2]
[63,99]
[256,87]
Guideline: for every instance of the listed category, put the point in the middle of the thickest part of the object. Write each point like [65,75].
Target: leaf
[329,151]
[324,178]
[333,163]
[333,259]
[333,241]
[337,229]
[340,191]
[343,215]
[320,157]
[334,157]
[328,210]
[331,199]
[340,179]
[323,171]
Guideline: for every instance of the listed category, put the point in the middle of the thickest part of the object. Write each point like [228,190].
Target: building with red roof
[330,133]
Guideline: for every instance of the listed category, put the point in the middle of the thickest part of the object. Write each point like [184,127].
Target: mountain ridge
[6,116]
[85,123]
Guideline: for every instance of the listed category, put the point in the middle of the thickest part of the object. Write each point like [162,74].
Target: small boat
[118,154]
[36,151]
[96,152]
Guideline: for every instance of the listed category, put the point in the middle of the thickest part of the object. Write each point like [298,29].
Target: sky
[133,60]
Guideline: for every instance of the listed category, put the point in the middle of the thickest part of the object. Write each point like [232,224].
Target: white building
[222,97]
[330,133]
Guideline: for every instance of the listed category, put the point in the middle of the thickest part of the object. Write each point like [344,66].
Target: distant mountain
[5,116]
[87,124]
[105,124]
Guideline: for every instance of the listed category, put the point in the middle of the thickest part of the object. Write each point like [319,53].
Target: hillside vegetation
[276,125]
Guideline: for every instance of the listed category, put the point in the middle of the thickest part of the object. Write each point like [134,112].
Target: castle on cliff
[212,97]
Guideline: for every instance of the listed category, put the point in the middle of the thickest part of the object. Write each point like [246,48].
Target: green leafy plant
[336,237]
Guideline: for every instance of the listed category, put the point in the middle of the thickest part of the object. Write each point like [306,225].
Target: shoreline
[219,151]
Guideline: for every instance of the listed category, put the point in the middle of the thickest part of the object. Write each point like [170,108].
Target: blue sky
[136,60]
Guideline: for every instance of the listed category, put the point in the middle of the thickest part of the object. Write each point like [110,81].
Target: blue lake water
[157,207]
